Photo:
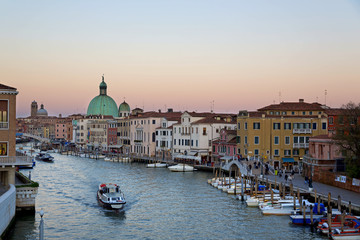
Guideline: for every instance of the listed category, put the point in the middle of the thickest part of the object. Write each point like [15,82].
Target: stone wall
[7,208]
[336,179]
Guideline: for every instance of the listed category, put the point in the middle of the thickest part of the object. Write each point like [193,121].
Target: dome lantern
[103,87]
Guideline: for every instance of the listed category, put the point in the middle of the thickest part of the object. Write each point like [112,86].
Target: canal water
[160,205]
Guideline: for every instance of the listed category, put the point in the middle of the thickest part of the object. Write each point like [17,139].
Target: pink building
[61,131]
[324,155]
[224,148]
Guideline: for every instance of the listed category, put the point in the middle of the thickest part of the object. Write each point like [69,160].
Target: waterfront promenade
[321,189]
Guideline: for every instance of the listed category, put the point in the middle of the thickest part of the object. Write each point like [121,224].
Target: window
[304,113]
[296,140]
[245,126]
[287,152]
[292,113]
[204,131]
[153,137]
[238,139]
[276,126]
[192,142]
[284,113]
[310,113]
[296,152]
[153,121]
[324,125]
[256,140]
[245,140]
[4,114]
[197,143]
[256,125]
[238,126]
[174,130]
[276,152]
[245,151]
[256,152]
[314,127]
[197,130]
[3,149]
[287,140]
[276,140]
[182,142]
[331,120]
[287,126]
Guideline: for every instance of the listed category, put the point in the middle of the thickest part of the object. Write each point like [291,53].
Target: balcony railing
[4,125]
[300,145]
[15,160]
[302,131]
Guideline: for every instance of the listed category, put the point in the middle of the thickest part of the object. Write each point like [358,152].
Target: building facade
[280,133]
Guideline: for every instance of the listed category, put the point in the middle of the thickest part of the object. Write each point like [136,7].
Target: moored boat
[110,196]
[156,165]
[181,168]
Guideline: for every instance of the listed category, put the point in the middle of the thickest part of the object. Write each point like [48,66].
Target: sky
[194,55]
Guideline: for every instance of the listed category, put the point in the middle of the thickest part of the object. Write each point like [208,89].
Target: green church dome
[124,107]
[102,104]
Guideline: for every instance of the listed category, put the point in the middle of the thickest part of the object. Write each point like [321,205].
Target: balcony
[300,145]
[302,131]
[4,125]
[15,160]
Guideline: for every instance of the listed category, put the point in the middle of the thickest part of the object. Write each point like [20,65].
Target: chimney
[159,110]
[301,100]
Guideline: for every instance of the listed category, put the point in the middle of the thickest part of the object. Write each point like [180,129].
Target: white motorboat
[181,168]
[110,196]
[156,165]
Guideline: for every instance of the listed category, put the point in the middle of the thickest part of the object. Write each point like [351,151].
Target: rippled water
[160,205]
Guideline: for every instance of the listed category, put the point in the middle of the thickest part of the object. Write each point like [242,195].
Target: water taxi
[110,196]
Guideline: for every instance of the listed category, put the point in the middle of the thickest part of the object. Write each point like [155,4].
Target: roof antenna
[279,96]
[325,96]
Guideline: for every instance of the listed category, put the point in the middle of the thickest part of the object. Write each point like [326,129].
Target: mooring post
[339,203]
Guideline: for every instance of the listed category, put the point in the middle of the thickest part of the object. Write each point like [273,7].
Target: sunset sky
[180,54]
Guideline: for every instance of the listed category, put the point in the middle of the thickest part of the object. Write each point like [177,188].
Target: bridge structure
[41,139]
[242,168]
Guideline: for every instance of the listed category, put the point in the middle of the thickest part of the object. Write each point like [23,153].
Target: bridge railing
[15,160]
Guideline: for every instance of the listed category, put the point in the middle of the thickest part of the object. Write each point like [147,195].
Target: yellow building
[279,133]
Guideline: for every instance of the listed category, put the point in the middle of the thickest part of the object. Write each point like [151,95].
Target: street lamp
[41,227]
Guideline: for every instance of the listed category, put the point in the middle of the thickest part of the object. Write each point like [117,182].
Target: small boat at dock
[181,168]
[156,165]
[110,196]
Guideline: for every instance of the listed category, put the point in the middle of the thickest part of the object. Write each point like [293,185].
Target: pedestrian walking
[286,177]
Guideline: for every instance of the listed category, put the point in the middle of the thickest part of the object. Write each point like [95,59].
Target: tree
[347,137]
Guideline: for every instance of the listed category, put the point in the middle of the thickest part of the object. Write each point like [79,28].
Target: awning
[187,157]
[288,160]
[115,146]
[226,158]
[192,153]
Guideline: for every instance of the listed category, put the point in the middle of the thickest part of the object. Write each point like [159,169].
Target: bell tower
[34,109]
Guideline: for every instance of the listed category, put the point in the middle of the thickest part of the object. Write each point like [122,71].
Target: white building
[164,137]
[194,134]
[143,131]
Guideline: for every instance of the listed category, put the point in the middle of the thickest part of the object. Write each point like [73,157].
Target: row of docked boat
[300,211]
[174,168]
